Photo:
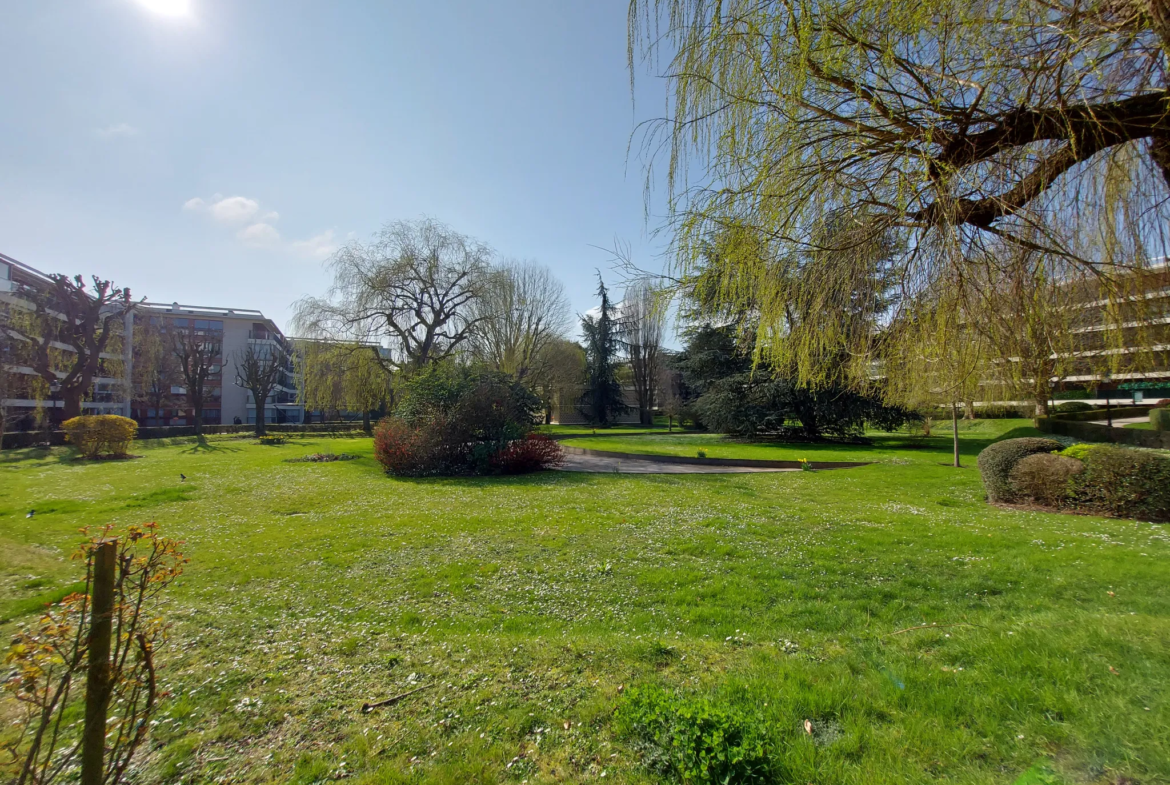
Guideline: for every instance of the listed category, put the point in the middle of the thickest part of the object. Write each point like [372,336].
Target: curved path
[623,465]
[578,459]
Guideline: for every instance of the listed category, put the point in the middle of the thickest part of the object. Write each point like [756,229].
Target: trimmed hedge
[1125,482]
[997,461]
[1044,477]
[1074,406]
[1160,419]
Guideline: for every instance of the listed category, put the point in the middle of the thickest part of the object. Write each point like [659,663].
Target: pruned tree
[521,310]
[945,125]
[670,394]
[341,377]
[260,368]
[156,367]
[198,356]
[641,320]
[412,290]
[86,322]
[602,398]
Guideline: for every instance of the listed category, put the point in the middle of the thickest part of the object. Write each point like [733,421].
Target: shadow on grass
[201,445]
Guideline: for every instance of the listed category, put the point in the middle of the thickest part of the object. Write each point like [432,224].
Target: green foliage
[98,434]
[271,439]
[692,740]
[1160,419]
[997,461]
[999,411]
[602,398]
[1126,482]
[453,419]
[1044,477]
[1079,451]
[1074,406]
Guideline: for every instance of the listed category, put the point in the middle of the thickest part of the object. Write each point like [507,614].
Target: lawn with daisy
[880,624]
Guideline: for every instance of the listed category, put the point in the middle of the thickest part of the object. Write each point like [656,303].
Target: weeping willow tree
[342,377]
[825,134]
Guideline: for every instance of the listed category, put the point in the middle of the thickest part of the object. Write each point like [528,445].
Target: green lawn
[896,448]
[583,430]
[527,605]
[1141,426]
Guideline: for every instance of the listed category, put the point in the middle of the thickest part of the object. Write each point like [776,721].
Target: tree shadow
[201,445]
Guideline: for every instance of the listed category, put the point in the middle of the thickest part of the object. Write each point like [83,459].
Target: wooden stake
[97,679]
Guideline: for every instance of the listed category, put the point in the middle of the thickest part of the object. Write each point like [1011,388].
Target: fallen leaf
[808,727]
[1114,670]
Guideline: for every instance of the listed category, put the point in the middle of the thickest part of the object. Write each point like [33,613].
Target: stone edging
[684,459]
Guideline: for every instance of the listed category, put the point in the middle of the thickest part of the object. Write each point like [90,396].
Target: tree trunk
[955,431]
[70,405]
[670,423]
[366,421]
[260,431]
[1041,404]
[968,409]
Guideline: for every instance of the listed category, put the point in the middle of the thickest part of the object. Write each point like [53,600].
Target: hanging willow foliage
[844,170]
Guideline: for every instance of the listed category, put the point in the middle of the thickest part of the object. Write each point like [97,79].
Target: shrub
[1074,406]
[1160,419]
[997,461]
[453,420]
[530,454]
[694,741]
[1126,482]
[271,439]
[1079,451]
[1001,411]
[1044,477]
[95,434]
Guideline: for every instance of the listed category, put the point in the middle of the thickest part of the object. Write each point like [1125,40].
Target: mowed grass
[895,448]
[525,607]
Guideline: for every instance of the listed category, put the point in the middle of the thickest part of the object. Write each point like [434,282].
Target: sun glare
[167,7]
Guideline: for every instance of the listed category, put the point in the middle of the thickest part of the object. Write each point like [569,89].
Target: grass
[896,448]
[527,605]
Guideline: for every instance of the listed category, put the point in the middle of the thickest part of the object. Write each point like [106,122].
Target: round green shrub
[1074,406]
[1044,477]
[1125,482]
[997,461]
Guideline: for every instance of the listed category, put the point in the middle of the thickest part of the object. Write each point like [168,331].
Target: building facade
[234,330]
[27,401]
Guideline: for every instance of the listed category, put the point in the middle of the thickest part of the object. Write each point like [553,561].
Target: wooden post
[955,431]
[97,679]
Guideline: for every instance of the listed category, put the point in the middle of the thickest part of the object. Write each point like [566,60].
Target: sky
[216,152]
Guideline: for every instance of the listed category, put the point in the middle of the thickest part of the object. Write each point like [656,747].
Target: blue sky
[218,156]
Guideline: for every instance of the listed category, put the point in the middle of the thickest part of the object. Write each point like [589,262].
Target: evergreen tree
[602,399]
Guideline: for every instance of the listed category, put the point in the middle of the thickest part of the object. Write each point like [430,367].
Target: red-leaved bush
[401,449]
[532,453]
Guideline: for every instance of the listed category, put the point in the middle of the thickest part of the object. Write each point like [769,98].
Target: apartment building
[234,330]
[26,398]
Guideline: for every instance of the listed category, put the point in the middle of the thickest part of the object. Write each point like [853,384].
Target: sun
[167,7]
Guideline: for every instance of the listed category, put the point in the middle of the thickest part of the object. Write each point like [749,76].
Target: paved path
[598,464]
[1120,421]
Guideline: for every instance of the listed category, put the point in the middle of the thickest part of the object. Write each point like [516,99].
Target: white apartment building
[234,328]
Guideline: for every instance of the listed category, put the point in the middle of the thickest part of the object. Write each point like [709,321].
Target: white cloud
[116,130]
[258,230]
[228,210]
[316,247]
[259,235]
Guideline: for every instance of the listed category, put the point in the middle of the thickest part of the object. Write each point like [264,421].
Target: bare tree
[641,319]
[260,369]
[67,313]
[522,309]
[198,354]
[411,289]
[156,366]
[670,396]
